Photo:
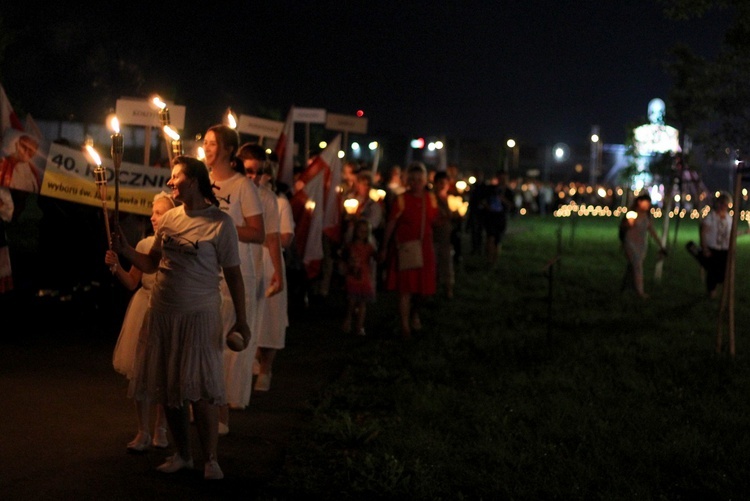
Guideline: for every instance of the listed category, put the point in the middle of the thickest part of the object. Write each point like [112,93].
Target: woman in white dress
[272,331]
[238,197]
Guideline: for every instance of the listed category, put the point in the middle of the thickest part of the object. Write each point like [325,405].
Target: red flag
[311,206]
[333,202]
[285,151]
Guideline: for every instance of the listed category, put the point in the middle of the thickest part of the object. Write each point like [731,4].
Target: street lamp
[511,143]
[595,149]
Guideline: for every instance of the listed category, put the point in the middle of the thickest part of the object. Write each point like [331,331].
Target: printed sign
[261,127]
[131,111]
[346,123]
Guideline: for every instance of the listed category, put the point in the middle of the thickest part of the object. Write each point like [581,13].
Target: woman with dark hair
[194,247]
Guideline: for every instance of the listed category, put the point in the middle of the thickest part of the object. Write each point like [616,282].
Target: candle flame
[310,205]
[455,202]
[463,209]
[376,195]
[94,155]
[169,131]
[350,205]
[631,214]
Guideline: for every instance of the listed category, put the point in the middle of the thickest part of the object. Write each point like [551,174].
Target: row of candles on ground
[574,209]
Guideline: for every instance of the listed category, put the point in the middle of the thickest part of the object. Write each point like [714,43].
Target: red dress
[360,271]
[407,210]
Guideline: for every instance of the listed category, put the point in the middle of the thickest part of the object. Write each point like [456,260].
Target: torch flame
[231,119]
[114,124]
[169,131]
[93,154]
[158,102]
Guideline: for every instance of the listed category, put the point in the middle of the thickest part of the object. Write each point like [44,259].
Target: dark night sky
[540,71]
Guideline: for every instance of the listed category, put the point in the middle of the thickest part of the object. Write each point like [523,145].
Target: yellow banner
[69,175]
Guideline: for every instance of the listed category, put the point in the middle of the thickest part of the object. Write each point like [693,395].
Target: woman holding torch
[194,247]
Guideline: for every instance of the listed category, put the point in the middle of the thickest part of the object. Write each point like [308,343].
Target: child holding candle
[636,229]
[359,280]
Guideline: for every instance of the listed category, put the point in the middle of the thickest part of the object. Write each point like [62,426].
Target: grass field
[544,381]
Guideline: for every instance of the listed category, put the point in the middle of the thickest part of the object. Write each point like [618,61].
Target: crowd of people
[215,279]
[214,289]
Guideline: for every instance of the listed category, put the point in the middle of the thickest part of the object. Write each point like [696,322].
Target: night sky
[538,71]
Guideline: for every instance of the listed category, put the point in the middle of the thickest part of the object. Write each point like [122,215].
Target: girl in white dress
[124,354]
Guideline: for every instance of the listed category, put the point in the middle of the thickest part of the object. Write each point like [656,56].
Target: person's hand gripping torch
[100,178]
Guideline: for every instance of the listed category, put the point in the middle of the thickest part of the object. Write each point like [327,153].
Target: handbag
[410,252]
[410,255]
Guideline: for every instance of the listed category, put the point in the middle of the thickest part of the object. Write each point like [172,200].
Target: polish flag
[285,151]
[315,206]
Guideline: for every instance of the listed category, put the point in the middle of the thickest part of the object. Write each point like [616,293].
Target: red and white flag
[8,117]
[285,151]
[314,203]
[32,128]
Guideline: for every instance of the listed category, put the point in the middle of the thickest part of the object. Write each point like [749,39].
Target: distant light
[461,186]
[341,154]
[373,145]
[360,113]
[355,146]
[201,153]
[472,179]
[438,145]
[322,145]
[594,138]
[561,152]
[511,143]
[431,146]
[417,143]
